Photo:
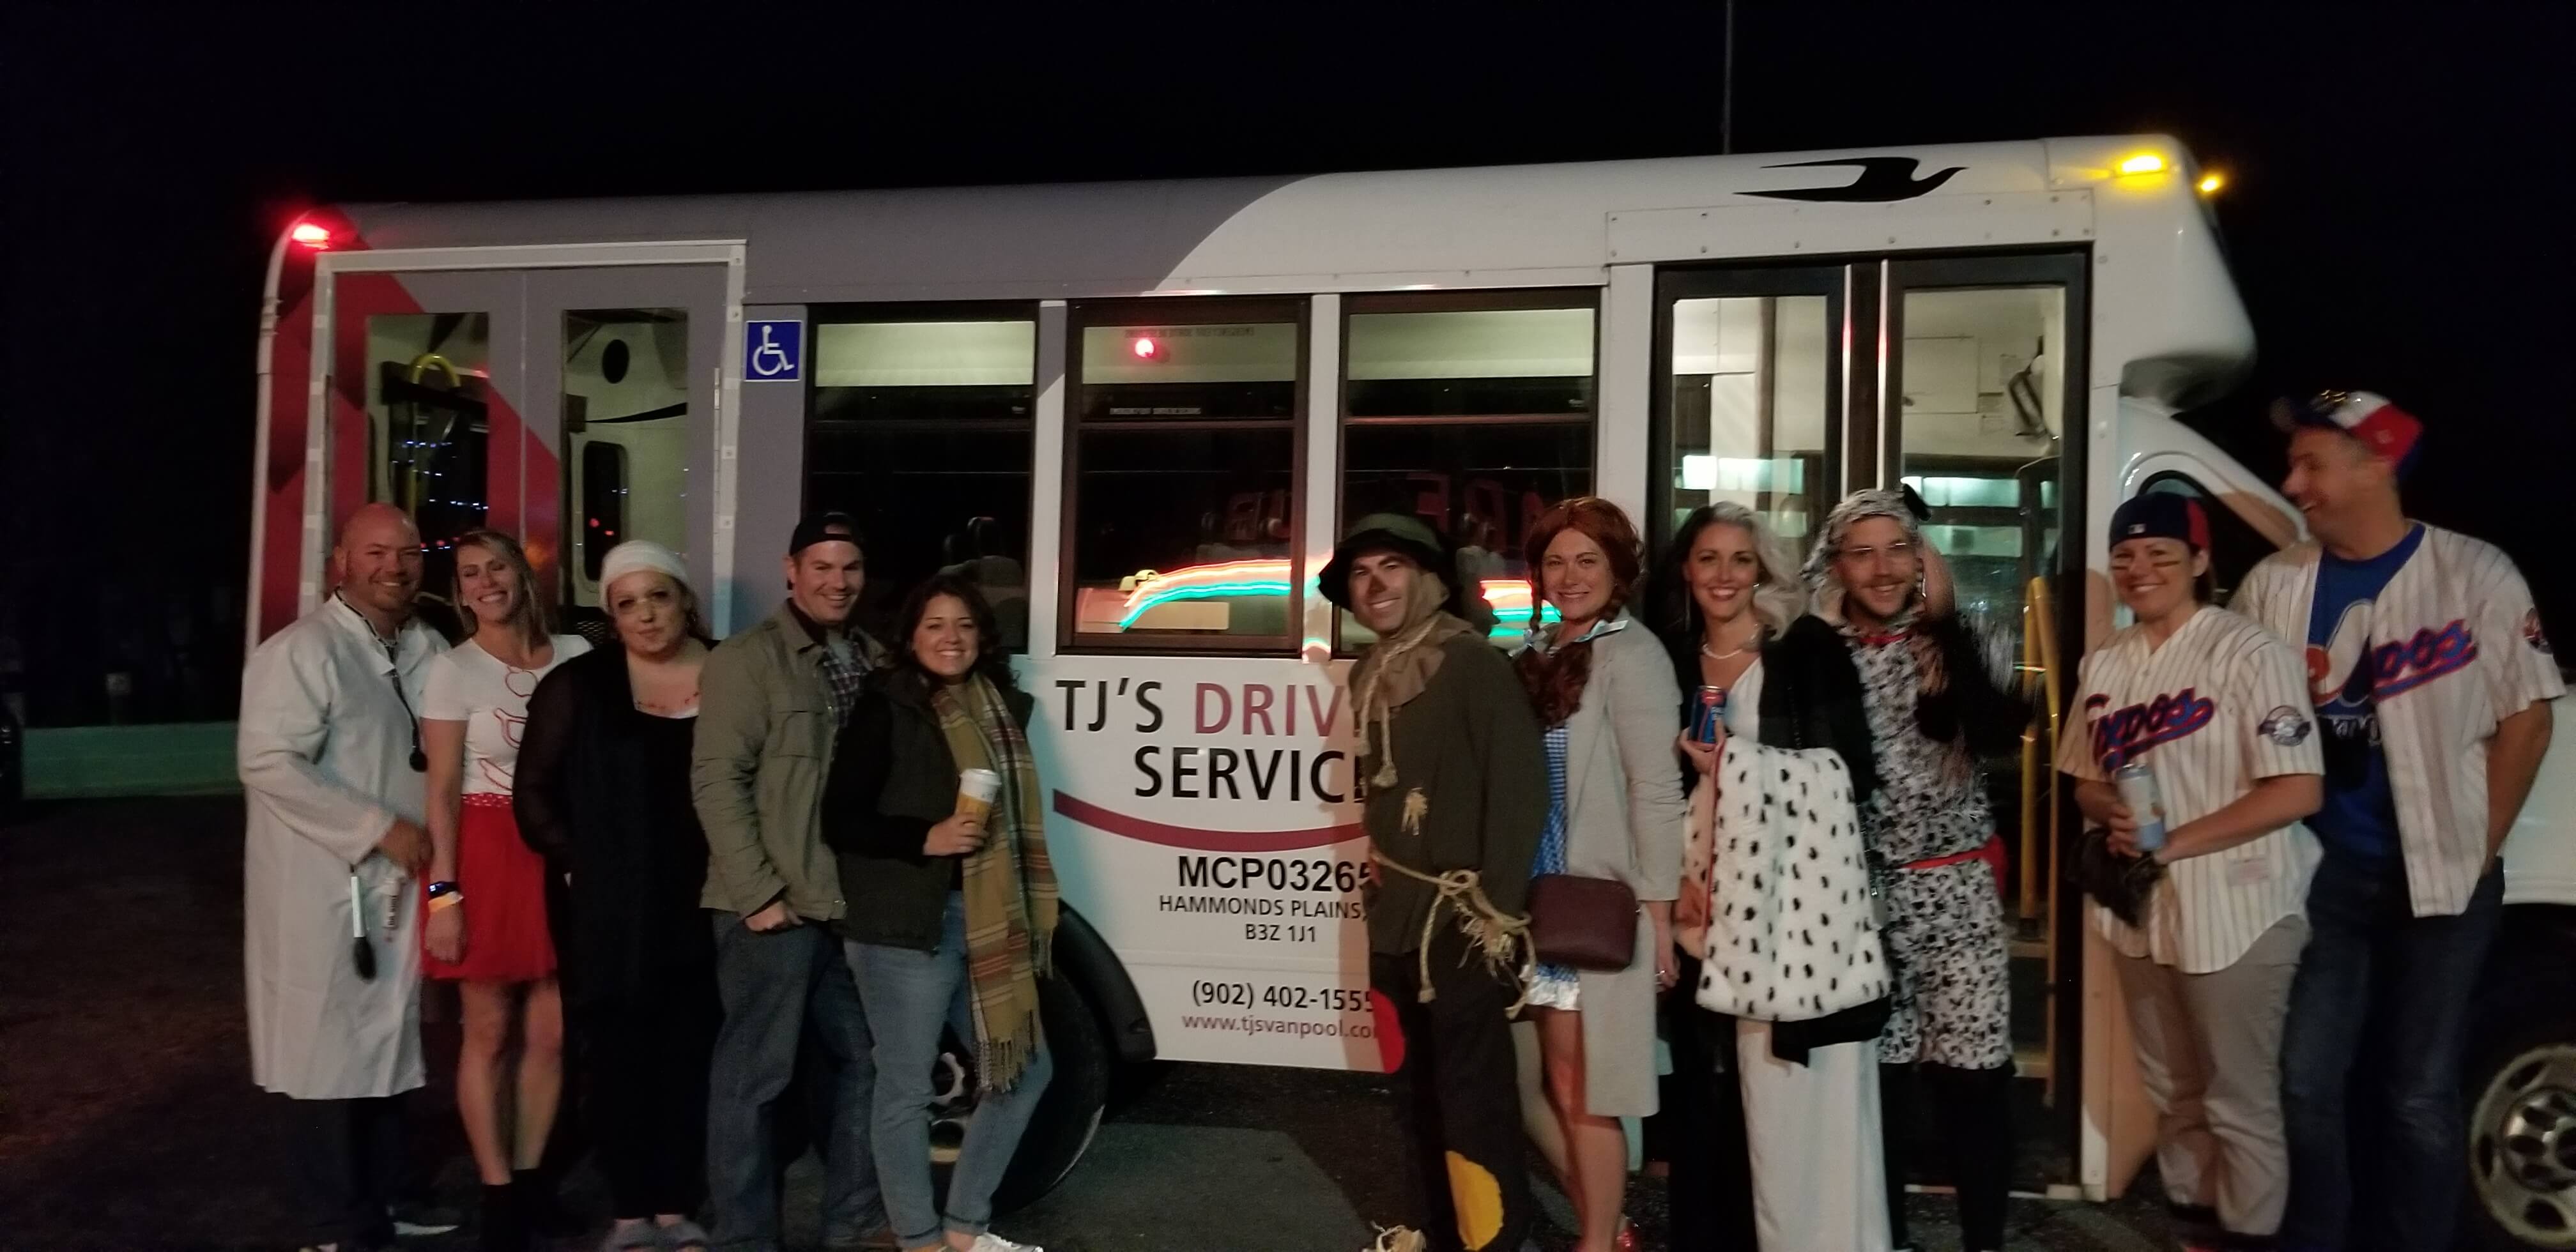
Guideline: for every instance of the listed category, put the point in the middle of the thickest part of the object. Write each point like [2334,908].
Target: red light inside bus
[313,235]
[1145,349]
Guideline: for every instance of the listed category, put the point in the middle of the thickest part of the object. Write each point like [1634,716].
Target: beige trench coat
[1625,819]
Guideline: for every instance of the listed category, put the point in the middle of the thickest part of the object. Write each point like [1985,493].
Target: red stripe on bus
[1203,840]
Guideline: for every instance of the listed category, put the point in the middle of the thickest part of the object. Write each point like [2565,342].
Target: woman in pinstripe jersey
[2218,708]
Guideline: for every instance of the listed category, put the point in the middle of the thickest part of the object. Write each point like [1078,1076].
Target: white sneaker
[990,1242]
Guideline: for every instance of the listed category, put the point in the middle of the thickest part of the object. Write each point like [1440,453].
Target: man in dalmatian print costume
[1933,709]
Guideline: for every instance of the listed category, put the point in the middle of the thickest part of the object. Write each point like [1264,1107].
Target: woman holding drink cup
[2195,758]
[935,809]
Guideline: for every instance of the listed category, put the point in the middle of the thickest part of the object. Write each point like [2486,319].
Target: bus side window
[2234,545]
[1474,413]
[921,425]
[1182,426]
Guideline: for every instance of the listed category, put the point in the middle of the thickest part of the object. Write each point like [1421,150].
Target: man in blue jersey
[2433,680]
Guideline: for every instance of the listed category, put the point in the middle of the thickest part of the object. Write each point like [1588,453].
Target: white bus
[1138,413]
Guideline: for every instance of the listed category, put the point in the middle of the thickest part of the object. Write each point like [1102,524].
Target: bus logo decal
[1881,179]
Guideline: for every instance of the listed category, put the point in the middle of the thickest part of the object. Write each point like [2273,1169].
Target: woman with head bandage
[604,794]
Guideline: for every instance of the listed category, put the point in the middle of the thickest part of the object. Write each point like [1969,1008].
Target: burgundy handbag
[1583,923]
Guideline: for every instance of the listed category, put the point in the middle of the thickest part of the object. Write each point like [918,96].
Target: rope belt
[1488,929]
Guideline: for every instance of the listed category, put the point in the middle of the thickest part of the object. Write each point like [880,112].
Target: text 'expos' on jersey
[2128,732]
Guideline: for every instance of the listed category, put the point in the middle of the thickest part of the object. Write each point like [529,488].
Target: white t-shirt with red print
[469,685]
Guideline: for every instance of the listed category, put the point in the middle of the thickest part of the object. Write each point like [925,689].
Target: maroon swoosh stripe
[1203,840]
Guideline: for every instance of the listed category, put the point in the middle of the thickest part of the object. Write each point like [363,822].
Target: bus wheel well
[1087,960]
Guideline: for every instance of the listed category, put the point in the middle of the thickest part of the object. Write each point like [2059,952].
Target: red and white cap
[2382,427]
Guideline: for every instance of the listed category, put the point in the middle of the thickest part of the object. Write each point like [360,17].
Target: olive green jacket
[763,749]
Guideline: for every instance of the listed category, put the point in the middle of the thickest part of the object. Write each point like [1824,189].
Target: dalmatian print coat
[1791,934]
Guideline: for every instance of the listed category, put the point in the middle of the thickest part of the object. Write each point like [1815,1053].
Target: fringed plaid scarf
[1009,885]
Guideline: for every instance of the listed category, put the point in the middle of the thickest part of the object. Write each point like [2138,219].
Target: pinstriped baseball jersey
[2220,706]
[2456,648]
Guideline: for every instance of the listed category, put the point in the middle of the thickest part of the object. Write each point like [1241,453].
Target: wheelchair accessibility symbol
[773,352]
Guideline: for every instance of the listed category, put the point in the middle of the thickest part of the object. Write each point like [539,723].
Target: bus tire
[1068,1113]
[2520,1090]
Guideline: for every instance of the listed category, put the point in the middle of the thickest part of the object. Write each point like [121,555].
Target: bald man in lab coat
[330,761]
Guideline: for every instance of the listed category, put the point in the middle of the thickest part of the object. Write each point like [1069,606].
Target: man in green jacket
[771,701]
[1453,780]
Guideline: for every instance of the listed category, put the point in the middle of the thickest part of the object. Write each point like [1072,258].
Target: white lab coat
[324,751]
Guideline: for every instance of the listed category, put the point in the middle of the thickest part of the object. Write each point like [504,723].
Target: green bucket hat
[1418,542]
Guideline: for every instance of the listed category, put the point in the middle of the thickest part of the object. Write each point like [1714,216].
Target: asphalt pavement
[127,1119]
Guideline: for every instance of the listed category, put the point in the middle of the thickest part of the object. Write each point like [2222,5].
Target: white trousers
[1819,1182]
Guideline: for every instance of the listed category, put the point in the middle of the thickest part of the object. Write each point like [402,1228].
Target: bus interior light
[2143,163]
[313,235]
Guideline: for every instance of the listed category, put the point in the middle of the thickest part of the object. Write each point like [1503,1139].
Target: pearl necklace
[1729,656]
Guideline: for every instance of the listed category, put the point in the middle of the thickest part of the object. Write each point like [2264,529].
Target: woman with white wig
[604,794]
[1936,861]
[1758,1017]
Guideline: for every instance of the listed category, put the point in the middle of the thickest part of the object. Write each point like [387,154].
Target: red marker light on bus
[313,235]
[1145,348]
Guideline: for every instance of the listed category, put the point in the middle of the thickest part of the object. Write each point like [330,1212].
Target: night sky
[2398,214]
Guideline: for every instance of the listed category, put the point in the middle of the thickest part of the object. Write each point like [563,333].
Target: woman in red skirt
[487,891]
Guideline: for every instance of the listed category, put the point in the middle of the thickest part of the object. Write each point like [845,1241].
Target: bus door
[1782,387]
[558,405]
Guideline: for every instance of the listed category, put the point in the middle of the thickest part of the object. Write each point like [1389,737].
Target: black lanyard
[393,660]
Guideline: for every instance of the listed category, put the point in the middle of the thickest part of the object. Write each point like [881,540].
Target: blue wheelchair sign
[773,352]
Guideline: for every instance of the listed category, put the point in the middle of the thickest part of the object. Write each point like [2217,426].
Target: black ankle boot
[504,1227]
[541,1207]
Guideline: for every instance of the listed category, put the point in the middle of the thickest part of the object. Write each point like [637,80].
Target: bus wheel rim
[2523,1155]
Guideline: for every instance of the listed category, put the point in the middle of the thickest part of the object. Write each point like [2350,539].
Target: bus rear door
[555,404]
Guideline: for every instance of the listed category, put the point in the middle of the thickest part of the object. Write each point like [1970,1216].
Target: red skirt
[504,885]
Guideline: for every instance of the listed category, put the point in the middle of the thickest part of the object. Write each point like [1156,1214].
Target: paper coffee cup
[975,791]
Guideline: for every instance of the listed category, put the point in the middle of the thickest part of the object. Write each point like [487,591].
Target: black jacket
[603,794]
[892,779]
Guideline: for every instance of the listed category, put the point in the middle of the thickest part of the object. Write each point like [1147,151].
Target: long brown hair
[1555,681]
[529,616]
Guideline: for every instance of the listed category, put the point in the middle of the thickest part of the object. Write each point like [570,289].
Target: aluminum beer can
[1708,714]
[2146,801]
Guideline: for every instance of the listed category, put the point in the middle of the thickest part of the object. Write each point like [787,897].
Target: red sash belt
[1991,852]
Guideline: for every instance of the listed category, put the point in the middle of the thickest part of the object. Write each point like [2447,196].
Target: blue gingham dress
[1557,986]
[1553,986]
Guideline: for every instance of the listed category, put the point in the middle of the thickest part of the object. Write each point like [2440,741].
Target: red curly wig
[1555,680]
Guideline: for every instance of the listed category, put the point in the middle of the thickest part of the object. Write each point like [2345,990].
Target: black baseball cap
[818,527]
[2162,515]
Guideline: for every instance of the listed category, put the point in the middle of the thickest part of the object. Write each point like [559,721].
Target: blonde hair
[529,616]
[1778,597]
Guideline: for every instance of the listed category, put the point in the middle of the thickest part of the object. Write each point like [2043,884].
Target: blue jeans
[781,989]
[910,995]
[2375,972]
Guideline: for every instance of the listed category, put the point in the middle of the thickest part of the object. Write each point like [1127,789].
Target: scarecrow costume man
[1453,780]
